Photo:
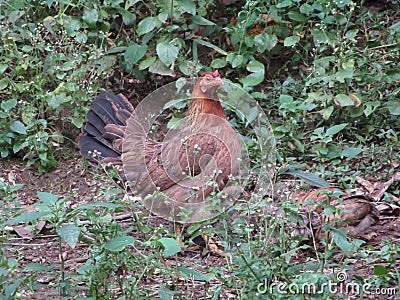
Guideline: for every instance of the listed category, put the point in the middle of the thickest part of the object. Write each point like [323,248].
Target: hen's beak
[218,81]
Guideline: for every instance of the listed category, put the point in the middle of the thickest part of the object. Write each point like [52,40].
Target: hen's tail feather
[105,126]
[95,124]
[94,150]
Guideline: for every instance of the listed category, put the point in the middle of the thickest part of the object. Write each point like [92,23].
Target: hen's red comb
[215,74]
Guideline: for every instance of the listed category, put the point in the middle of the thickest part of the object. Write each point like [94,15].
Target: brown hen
[182,166]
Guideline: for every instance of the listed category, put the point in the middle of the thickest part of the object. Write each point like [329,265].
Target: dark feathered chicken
[182,166]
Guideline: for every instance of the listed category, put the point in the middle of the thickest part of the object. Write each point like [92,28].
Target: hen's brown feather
[179,167]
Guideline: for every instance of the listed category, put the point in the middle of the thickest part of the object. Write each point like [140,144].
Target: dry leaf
[355,100]
[22,232]
[388,208]
[358,213]
[110,42]
[377,189]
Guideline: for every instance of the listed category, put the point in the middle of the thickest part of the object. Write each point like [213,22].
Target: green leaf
[16,187]
[166,294]
[188,6]
[218,63]
[236,60]
[171,246]
[196,275]
[116,50]
[134,53]
[296,16]
[284,3]
[159,68]
[144,64]
[176,104]
[395,27]
[259,95]
[394,108]
[287,103]
[265,41]
[299,145]
[306,9]
[3,67]
[174,123]
[130,3]
[43,156]
[201,21]
[380,270]
[311,178]
[70,234]
[128,18]
[341,240]
[252,114]
[55,101]
[18,127]
[252,79]
[4,83]
[255,66]
[146,25]
[370,107]
[27,217]
[342,100]
[319,35]
[8,105]
[90,16]
[16,4]
[351,152]
[212,46]
[167,52]
[335,129]
[355,112]
[327,112]
[78,122]
[351,34]
[291,40]
[393,75]
[4,153]
[47,198]
[163,16]
[72,26]
[346,72]
[81,37]
[119,243]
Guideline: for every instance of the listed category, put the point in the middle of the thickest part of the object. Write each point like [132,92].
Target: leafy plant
[44,67]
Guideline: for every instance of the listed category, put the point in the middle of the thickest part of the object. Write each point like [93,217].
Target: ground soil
[72,178]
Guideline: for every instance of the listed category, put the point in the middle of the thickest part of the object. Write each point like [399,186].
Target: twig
[114,218]
[29,238]
[383,46]
[18,244]
[77,260]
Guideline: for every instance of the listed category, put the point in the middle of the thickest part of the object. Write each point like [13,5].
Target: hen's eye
[208,78]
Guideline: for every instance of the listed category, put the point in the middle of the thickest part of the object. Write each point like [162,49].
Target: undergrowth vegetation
[326,72]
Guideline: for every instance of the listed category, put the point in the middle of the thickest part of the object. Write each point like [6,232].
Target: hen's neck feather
[200,106]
